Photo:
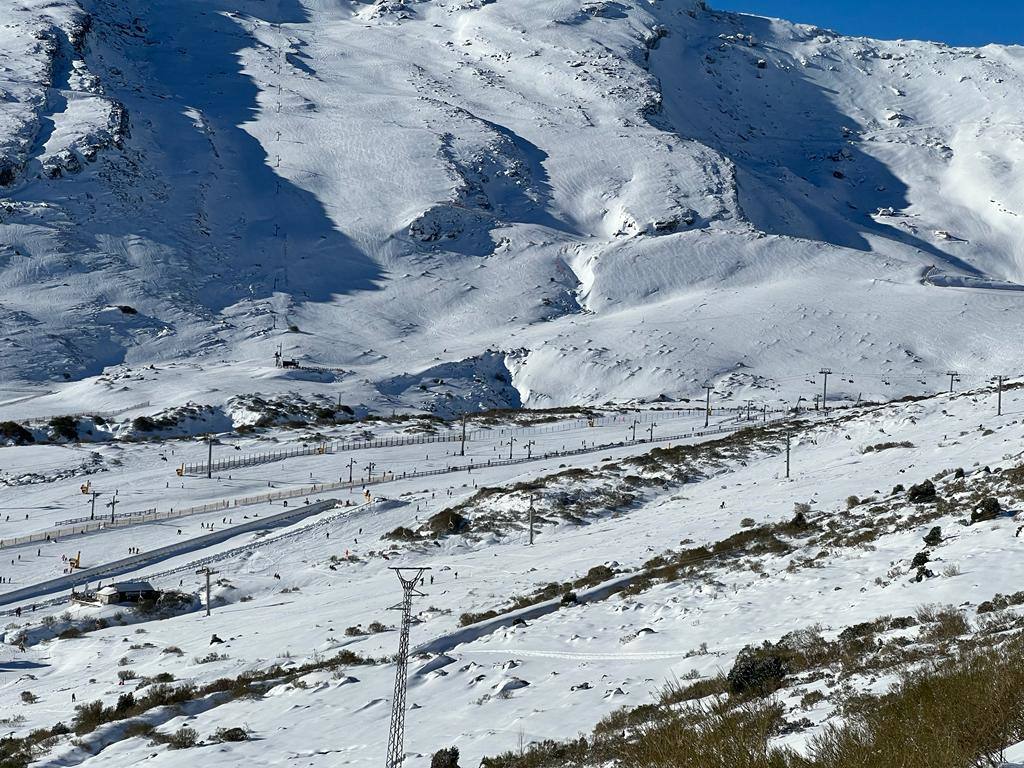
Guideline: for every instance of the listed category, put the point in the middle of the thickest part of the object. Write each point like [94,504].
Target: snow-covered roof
[131,586]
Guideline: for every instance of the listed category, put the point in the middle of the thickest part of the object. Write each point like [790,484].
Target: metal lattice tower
[396,736]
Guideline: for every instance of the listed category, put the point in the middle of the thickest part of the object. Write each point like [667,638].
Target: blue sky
[951,21]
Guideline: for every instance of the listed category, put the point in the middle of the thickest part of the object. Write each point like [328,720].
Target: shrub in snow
[758,670]
[64,427]
[12,431]
[183,738]
[988,509]
[934,537]
[447,521]
[125,702]
[445,758]
[922,574]
[920,559]
[401,533]
[231,734]
[595,576]
[800,517]
[143,424]
[922,492]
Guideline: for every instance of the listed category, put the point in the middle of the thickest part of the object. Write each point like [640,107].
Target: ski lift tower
[409,577]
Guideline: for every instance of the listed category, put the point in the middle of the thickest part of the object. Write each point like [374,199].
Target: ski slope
[288,597]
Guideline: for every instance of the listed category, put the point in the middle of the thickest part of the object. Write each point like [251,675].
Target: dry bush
[961,715]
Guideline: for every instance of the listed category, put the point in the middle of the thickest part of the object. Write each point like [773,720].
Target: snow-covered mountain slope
[575,201]
[725,549]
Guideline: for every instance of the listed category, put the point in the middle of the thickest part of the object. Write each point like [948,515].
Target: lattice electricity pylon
[396,737]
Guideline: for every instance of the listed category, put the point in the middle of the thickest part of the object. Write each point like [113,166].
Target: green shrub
[988,509]
[922,492]
[143,424]
[934,537]
[65,427]
[447,521]
[758,670]
[90,716]
[13,431]
[445,758]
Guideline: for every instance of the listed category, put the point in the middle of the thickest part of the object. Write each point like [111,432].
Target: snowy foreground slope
[287,602]
[456,203]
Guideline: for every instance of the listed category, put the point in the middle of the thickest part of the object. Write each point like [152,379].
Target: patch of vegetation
[65,427]
[445,522]
[922,493]
[759,670]
[961,712]
[886,446]
[230,735]
[988,509]
[183,738]
[17,434]
[401,533]
[445,758]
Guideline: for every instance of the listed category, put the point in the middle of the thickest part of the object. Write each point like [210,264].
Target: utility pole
[462,450]
[112,504]
[92,504]
[953,376]
[409,577]
[511,441]
[530,445]
[209,457]
[707,408]
[999,401]
[787,454]
[369,470]
[531,519]
[748,410]
[206,570]
[633,427]
[351,463]
[650,429]
[826,372]
[817,399]
[765,419]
